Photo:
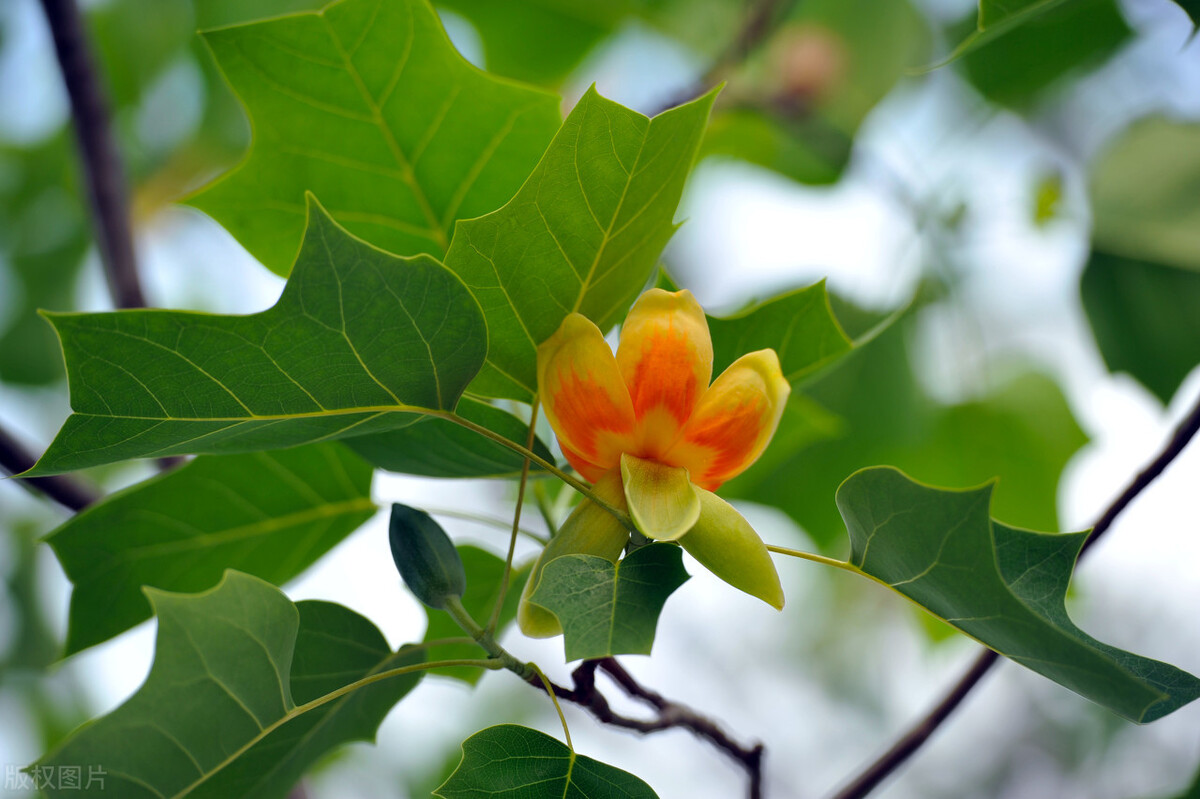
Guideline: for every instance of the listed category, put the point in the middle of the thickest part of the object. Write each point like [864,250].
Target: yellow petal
[583,396]
[725,544]
[734,420]
[662,501]
[665,358]
[589,530]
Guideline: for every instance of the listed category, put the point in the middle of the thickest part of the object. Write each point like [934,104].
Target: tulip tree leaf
[583,234]
[270,514]
[435,447]
[606,608]
[360,341]
[799,326]
[224,711]
[513,762]
[368,105]
[484,573]
[1005,587]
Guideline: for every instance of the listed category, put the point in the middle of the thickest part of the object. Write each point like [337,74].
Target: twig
[760,18]
[101,160]
[915,737]
[69,493]
[668,715]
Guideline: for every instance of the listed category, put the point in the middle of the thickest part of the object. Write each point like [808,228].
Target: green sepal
[662,500]
[425,557]
[724,543]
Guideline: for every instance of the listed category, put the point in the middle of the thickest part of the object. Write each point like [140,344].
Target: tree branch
[912,740]
[69,493]
[668,714]
[101,160]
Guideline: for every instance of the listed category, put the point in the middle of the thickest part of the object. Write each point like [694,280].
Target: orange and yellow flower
[656,439]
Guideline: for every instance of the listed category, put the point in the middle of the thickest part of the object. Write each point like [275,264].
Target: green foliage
[1022,431]
[360,341]
[484,573]
[270,514]
[512,762]
[1033,43]
[1141,287]
[1005,587]
[610,608]
[425,557]
[583,234]
[440,448]
[369,106]
[228,708]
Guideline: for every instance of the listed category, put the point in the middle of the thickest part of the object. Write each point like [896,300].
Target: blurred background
[1031,213]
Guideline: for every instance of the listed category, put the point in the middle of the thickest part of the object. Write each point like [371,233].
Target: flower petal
[734,420]
[583,396]
[725,544]
[665,358]
[589,530]
[662,501]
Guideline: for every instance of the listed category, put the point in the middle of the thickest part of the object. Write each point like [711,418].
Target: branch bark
[71,494]
[918,734]
[103,171]
[668,715]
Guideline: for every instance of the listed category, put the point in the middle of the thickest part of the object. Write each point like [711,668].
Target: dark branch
[912,740]
[102,163]
[71,494]
[668,714]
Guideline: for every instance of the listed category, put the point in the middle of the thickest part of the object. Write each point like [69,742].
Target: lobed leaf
[224,712]
[582,235]
[368,105]
[514,762]
[1003,586]
[359,342]
[270,514]
[606,608]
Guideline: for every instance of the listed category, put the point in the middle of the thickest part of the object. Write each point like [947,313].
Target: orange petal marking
[665,355]
[583,396]
[734,420]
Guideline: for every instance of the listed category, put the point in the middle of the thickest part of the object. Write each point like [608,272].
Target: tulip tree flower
[655,440]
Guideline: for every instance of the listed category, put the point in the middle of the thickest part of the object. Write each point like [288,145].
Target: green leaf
[805,149]
[799,326]
[539,41]
[360,341]
[484,573]
[1033,43]
[270,514]
[226,710]
[1003,586]
[1022,431]
[368,105]
[1141,287]
[425,556]
[1146,319]
[513,762]
[606,608]
[1192,9]
[583,234]
[440,448]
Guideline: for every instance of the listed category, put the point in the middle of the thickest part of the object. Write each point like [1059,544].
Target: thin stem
[464,619]
[101,159]
[70,493]
[494,619]
[490,521]
[573,482]
[918,734]
[815,558]
[545,508]
[554,698]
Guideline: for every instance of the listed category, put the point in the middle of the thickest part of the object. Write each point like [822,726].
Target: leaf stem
[573,482]
[554,698]
[494,619]
[491,521]
[815,558]
[486,640]
[912,740]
